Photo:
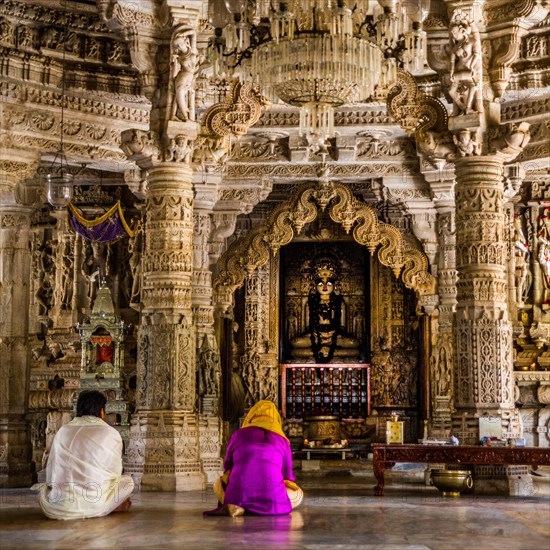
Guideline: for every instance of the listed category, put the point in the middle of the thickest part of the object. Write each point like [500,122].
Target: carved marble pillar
[257,370]
[164,450]
[208,364]
[484,382]
[201,296]
[442,356]
[16,466]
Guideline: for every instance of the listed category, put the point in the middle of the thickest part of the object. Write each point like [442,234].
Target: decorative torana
[252,252]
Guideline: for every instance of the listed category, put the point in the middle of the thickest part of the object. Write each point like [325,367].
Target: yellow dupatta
[264,414]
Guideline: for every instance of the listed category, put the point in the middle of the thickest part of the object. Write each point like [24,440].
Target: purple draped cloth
[259,461]
[107,228]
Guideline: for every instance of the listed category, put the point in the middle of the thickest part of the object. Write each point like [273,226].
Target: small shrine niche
[102,338]
[325,333]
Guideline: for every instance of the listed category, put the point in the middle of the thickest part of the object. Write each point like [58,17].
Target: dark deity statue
[325,340]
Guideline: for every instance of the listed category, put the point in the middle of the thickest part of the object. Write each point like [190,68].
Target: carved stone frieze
[370,147]
[265,148]
[289,117]
[535,107]
[309,170]
[166,368]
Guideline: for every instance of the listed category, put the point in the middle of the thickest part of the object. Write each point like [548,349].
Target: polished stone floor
[339,512]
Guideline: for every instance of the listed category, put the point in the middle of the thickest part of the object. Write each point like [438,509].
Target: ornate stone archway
[252,252]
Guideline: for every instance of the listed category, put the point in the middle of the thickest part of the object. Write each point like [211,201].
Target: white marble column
[442,356]
[484,383]
[16,467]
[208,357]
[164,450]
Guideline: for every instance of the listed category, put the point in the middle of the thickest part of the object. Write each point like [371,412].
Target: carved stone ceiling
[370,152]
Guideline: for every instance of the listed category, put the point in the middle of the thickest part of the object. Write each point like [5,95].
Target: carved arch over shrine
[252,251]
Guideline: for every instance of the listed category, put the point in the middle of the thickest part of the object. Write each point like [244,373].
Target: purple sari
[260,460]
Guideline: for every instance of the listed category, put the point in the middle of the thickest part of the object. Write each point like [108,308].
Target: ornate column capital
[16,166]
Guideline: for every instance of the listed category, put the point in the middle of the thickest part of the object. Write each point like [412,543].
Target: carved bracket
[237,113]
[425,117]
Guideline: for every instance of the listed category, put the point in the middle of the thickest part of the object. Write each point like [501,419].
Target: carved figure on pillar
[135,248]
[544,252]
[523,278]
[184,59]
[179,149]
[467,143]
[91,269]
[44,291]
[466,65]
[66,275]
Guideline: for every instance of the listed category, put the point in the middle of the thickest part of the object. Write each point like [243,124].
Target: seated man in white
[84,469]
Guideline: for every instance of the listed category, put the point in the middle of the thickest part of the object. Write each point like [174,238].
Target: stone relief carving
[209,375]
[179,149]
[44,277]
[510,141]
[522,254]
[135,249]
[184,60]
[91,269]
[543,238]
[137,144]
[467,143]
[265,147]
[393,379]
[371,146]
[466,65]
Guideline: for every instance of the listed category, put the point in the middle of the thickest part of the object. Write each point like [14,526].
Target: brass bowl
[451,482]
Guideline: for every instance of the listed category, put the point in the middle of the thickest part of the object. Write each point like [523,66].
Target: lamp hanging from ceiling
[59,178]
[317,54]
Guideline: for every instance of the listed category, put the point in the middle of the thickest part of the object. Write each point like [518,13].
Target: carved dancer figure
[184,62]
[466,66]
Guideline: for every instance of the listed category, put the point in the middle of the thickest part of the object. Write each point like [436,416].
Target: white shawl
[84,471]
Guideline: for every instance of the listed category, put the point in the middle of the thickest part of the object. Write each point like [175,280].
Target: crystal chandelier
[317,54]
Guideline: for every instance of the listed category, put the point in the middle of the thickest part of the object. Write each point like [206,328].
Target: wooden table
[385,456]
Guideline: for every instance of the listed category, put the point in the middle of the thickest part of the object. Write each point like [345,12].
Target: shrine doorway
[324,348]
[268,337]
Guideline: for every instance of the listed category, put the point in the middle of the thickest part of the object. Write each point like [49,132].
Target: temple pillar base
[16,466]
[503,480]
[173,478]
[210,436]
[163,454]
[441,426]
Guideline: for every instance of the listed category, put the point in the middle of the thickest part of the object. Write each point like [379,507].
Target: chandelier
[317,54]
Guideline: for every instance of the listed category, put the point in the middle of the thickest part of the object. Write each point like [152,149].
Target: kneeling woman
[258,477]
